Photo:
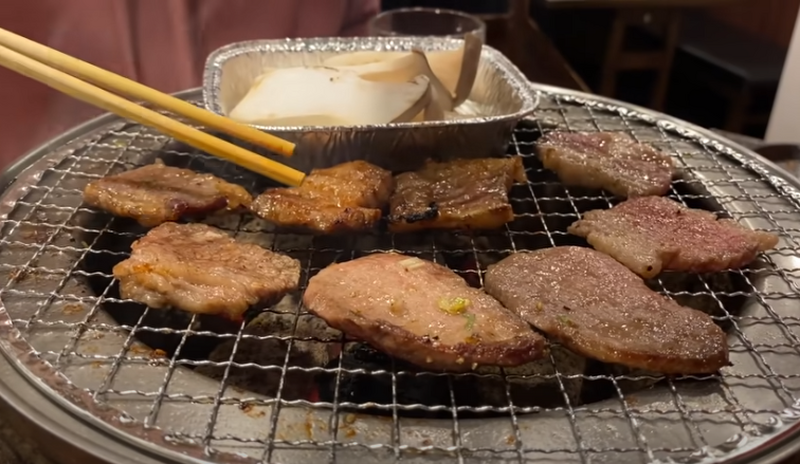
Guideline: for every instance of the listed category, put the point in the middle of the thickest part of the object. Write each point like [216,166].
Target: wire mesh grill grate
[285,388]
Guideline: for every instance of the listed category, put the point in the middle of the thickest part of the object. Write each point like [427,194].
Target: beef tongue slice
[600,309]
[421,312]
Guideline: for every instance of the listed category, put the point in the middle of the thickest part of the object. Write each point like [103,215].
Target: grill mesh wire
[49,236]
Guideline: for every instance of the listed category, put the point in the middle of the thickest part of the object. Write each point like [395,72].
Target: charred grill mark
[432,212]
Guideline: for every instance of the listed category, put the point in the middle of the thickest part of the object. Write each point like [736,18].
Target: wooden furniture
[734,64]
[664,16]
[518,37]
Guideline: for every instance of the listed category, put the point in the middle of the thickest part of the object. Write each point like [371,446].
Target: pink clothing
[160,43]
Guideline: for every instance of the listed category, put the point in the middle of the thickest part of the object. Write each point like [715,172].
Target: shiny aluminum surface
[57,329]
[499,99]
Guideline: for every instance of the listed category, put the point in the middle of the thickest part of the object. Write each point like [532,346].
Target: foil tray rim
[212,77]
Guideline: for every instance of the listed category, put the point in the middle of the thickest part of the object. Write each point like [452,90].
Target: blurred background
[716,63]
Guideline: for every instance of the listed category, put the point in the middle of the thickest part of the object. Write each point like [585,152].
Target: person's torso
[162,44]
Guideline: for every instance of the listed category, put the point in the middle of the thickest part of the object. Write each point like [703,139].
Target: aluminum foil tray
[499,99]
[106,380]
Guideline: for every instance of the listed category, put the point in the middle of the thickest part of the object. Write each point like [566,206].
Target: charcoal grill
[116,382]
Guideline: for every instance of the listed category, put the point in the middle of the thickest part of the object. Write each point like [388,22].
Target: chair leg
[608,83]
[670,42]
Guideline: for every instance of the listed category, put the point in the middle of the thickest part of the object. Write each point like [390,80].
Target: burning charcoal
[269,353]
[631,380]
[535,384]
[368,387]
[697,291]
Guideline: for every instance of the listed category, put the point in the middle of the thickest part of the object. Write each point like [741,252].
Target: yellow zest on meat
[454,306]
[566,320]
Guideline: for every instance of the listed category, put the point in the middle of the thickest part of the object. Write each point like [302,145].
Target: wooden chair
[518,36]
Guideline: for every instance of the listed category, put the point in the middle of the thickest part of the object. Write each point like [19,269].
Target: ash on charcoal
[533,384]
[368,386]
[717,294]
[313,345]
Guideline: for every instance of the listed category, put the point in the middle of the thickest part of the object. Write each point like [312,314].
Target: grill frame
[744,451]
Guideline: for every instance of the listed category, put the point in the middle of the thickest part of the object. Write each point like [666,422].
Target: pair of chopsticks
[65,73]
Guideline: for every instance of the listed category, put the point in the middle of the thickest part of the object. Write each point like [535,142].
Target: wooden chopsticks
[64,73]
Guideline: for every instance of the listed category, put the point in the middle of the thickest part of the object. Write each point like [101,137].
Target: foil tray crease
[500,98]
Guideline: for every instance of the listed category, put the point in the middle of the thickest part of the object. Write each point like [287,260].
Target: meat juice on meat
[344,198]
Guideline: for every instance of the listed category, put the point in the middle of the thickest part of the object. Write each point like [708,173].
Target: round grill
[284,388]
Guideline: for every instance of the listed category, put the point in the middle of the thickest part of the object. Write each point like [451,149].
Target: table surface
[535,56]
[612,4]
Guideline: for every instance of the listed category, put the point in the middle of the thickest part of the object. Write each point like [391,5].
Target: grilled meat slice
[421,312]
[461,194]
[654,234]
[201,269]
[607,160]
[158,193]
[598,308]
[343,198]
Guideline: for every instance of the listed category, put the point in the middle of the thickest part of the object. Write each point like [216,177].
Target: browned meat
[654,234]
[201,269]
[607,160]
[598,308]
[421,312]
[461,194]
[346,197]
[157,193]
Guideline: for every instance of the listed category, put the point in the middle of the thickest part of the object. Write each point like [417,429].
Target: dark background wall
[769,19]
